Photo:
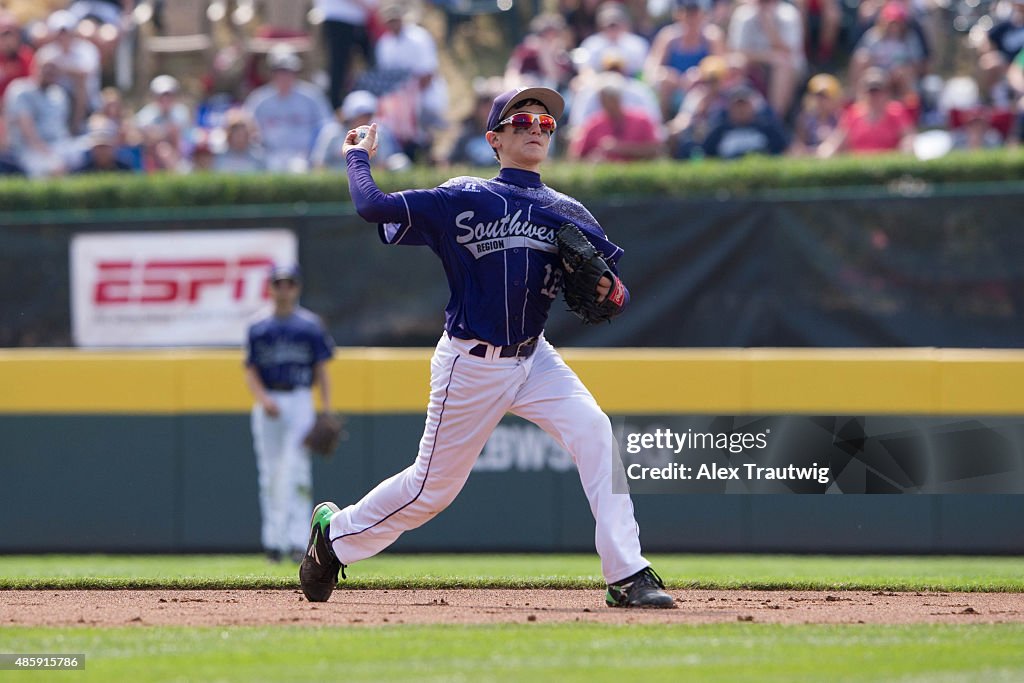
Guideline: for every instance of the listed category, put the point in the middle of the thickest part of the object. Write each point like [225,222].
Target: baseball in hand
[362,132]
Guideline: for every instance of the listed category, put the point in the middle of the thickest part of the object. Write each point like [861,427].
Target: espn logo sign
[181,288]
[156,281]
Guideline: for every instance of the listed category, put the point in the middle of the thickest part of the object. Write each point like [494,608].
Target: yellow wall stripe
[624,381]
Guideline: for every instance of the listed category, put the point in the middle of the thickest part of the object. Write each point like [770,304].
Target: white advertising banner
[195,288]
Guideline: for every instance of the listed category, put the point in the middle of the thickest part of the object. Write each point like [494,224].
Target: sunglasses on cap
[524,120]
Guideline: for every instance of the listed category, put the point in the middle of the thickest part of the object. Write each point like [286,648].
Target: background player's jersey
[496,239]
[285,350]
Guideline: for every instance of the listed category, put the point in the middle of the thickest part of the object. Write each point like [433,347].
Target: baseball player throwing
[497,242]
[286,353]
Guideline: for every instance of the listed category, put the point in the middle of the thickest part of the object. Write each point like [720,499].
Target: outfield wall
[875,267]
[150,450]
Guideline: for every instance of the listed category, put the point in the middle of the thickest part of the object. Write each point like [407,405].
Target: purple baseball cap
[285,272]
[551,100]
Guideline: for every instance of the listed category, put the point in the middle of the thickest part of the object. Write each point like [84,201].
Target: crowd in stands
[643,79]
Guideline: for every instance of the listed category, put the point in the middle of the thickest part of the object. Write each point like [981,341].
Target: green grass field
[534,652]
[520,571]
[734,652]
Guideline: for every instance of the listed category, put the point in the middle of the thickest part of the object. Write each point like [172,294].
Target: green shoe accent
[322,517]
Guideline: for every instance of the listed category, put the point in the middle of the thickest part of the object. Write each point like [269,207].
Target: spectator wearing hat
[345,34]
[240,153]
[819,115]
[749,127]
[102,153]
[587,101]
[769,33]
[165,123]
[705,103]
[890,45]
[358,109]
[15,55]
[678,48]
[36,111]
[542,58]
[617,132]
[614,36]
[288,112]
[406,47]
[165,111]
[874,123]
[78,63]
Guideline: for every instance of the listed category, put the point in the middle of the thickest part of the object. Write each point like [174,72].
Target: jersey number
[552,281]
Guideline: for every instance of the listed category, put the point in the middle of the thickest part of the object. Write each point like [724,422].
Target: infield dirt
[484,606]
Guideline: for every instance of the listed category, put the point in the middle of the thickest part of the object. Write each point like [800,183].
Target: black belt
[523,349]
[280,386]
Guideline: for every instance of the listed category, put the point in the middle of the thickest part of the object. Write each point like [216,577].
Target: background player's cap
[551,100]
[285,272]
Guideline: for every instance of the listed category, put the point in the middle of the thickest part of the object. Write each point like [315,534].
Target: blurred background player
[286,356]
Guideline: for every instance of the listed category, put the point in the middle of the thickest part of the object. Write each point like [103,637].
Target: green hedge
[587,181]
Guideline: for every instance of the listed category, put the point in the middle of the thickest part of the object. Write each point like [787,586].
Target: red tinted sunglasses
[525,120]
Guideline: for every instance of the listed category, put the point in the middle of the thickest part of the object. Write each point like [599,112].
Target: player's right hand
[364,137]
[270,407]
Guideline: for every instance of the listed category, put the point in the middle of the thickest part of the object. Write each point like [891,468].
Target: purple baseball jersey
[285,350]
[495,239]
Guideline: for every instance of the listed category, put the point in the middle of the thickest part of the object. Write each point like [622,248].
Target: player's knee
[596,427]
[436,496]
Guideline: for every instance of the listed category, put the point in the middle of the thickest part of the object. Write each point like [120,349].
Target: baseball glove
[322,439]
[584,268]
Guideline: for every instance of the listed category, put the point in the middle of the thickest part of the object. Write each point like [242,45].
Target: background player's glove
[325,434]
[584,268]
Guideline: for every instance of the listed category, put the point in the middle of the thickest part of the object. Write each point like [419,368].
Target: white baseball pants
[285,470]
[468,397]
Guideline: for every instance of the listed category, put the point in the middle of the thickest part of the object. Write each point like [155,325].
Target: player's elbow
[374,214]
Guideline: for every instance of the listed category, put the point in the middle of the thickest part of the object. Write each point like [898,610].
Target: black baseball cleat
[643,589]
[318,573]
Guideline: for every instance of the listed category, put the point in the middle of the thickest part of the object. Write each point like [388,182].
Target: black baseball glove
[584,268]
[323,437]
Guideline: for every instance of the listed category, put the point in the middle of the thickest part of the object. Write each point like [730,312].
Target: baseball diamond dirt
[159,607]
